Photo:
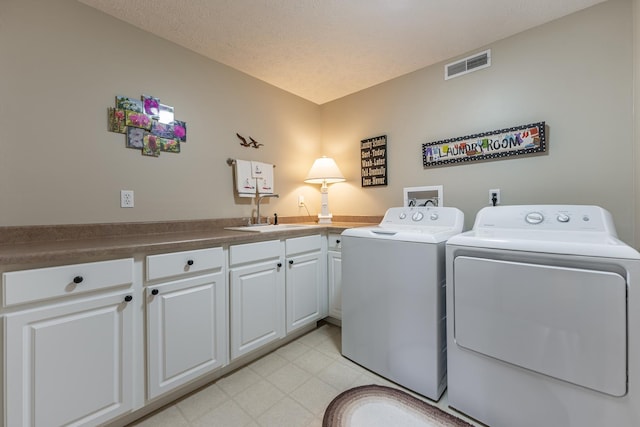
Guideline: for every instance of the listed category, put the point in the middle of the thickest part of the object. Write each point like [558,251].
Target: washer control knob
[563,218]
[534,218]
[402,215]
[586,218]
[417,216]
[434,216]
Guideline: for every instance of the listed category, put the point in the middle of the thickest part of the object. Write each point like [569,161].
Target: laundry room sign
[373,160]
[521,140]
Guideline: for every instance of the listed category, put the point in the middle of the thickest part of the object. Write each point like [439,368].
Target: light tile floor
[291,386]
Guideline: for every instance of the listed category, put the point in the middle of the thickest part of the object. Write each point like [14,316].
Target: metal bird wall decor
[244,142]
[253,143]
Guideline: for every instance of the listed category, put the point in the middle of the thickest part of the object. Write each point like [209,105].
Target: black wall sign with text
[373,159]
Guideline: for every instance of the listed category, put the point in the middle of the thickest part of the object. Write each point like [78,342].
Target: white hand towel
[257,170]
[265,182]
[245,183]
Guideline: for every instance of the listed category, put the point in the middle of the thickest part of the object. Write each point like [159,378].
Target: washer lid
[414,224]
[404,233]
[559,229]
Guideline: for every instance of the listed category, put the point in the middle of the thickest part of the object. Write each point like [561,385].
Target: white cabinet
[334,282]
[257,295]
[306,290]
[69,362]
[277,287]
[186,318]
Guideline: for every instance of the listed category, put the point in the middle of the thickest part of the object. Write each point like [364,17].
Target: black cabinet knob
[128,298]
[78,279]
[279,264]
[154,292]
[290,262]
[338,242]
[190,262]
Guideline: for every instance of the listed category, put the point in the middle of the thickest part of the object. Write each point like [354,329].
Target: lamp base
[324,219]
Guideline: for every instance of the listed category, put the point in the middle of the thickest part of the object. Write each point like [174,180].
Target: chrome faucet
[258,207]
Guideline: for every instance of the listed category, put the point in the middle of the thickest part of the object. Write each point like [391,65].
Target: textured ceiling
[322,50]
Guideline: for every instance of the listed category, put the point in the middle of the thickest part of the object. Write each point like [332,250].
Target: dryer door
[567,323]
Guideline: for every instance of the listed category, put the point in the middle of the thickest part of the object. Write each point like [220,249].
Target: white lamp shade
[324,170]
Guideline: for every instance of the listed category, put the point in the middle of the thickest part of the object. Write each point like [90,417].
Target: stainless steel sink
[269,228]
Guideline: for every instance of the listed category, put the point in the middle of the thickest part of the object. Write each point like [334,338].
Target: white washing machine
[393,296]
[544,319]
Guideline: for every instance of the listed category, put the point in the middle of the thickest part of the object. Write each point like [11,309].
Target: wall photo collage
[149,125]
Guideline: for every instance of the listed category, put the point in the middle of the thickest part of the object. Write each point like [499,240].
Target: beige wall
[61,65]
[574,73]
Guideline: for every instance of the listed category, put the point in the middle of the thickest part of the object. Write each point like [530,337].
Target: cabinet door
[69,364]
[335,284]
[257,306]
[304,290]
[186,331]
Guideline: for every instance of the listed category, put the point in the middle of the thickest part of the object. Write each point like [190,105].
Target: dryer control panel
[546,217]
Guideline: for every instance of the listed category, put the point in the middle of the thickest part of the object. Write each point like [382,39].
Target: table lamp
[324,171]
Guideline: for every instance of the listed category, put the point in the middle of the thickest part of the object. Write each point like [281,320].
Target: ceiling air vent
[467,65]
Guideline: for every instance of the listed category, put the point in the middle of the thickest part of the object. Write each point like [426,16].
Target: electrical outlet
[494,192]
[126,198]
[300,201]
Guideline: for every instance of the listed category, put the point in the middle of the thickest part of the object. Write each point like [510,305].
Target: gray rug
[378,406]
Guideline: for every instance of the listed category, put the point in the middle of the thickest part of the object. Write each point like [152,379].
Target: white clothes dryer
[393,307]
[543,324]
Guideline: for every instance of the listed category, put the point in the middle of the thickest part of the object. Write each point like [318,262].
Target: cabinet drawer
[335,242]
[176,263]
[297,245]
[251,252]
[19,287]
